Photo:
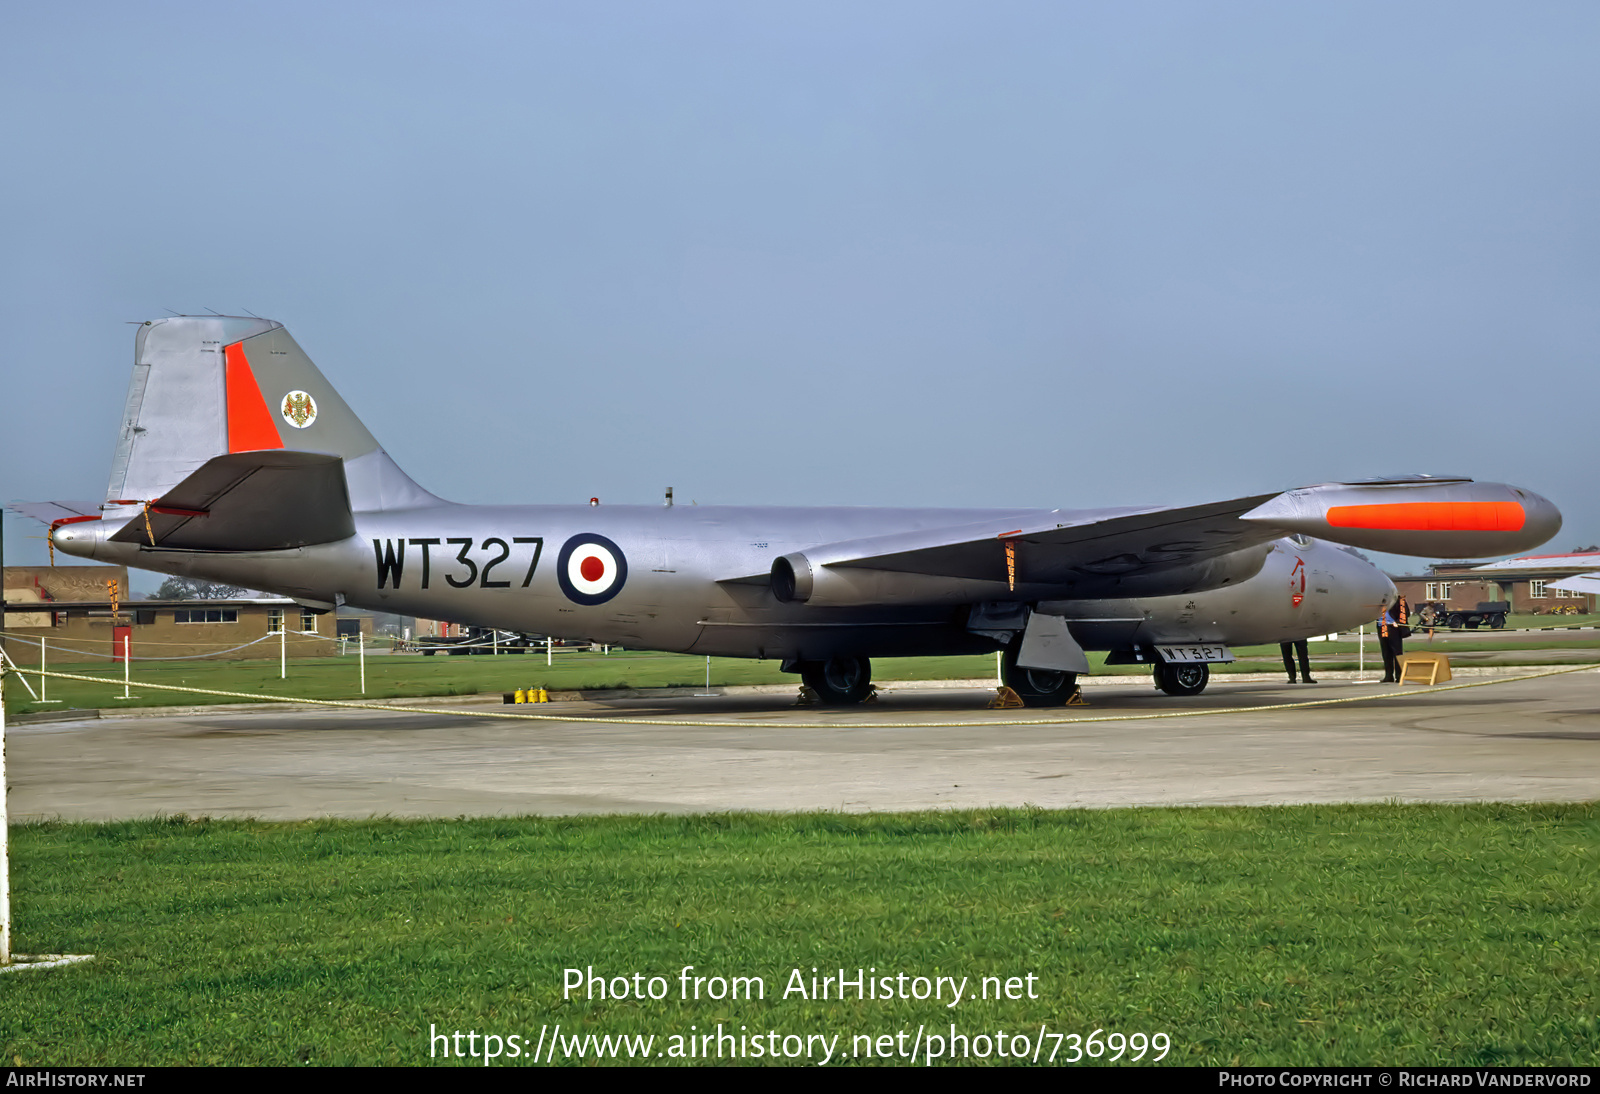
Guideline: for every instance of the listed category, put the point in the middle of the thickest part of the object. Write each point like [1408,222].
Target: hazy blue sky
[883,253]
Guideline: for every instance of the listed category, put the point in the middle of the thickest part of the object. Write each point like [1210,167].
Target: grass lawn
[1538,622]
[1390,934]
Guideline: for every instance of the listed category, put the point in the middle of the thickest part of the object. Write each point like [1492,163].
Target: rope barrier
[30,640]
[418,645]
[34,640]
[350,704]
[11,637]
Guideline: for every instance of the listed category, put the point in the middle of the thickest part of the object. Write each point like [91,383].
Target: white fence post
[5,835]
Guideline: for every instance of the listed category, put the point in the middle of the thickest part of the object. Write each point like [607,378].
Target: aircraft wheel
[1182,680]
[839,681]
[1037,687]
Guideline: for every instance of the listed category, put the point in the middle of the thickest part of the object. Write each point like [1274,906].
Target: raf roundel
[591,569]
[299,409]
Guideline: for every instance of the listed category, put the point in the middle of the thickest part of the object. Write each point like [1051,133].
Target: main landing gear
[1037,687]
[1182,679]
[838,681]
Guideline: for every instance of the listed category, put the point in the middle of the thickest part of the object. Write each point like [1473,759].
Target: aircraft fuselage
[694,579]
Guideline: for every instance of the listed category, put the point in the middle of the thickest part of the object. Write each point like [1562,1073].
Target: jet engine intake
[799,579]
[791,578]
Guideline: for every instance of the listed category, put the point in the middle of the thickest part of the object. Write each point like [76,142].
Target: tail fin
[205,386]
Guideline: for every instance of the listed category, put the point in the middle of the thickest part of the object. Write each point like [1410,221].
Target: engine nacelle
[797,579]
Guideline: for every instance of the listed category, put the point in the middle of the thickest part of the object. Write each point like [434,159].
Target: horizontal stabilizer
[249,501]
[50,512]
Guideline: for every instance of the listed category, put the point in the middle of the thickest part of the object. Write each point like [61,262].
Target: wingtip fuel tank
[1437,517]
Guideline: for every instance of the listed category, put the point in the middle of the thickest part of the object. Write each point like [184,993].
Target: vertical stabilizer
[204,386]
[176,416]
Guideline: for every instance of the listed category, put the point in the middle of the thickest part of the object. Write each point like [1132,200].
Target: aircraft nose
[1381,591]
[1367,590]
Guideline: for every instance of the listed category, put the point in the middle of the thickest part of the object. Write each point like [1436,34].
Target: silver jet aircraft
[240,463]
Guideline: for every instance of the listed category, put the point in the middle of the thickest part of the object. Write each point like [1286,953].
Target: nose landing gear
[1182,680]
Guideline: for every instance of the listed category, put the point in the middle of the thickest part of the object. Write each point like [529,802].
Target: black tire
[1037,687]
[1182,680]
[1456,621]
[839,681]
[1497,622]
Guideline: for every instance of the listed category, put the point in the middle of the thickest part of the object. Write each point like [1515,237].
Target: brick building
[71,608]
[1525,582]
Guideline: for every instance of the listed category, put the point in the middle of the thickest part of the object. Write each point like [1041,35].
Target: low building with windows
[82,618]
[1525,582]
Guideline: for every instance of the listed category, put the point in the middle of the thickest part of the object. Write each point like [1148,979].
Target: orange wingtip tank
[1432,516]
[1454,518]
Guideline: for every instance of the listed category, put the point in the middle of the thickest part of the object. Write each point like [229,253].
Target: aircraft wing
[1155,551]
[1073,546]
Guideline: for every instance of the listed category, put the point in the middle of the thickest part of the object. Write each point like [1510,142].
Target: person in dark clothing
[1289,650]
[1392,632]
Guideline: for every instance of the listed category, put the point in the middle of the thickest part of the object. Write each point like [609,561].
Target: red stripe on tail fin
[250,424]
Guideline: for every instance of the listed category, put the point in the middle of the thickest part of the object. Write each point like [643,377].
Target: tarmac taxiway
[1516,739]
